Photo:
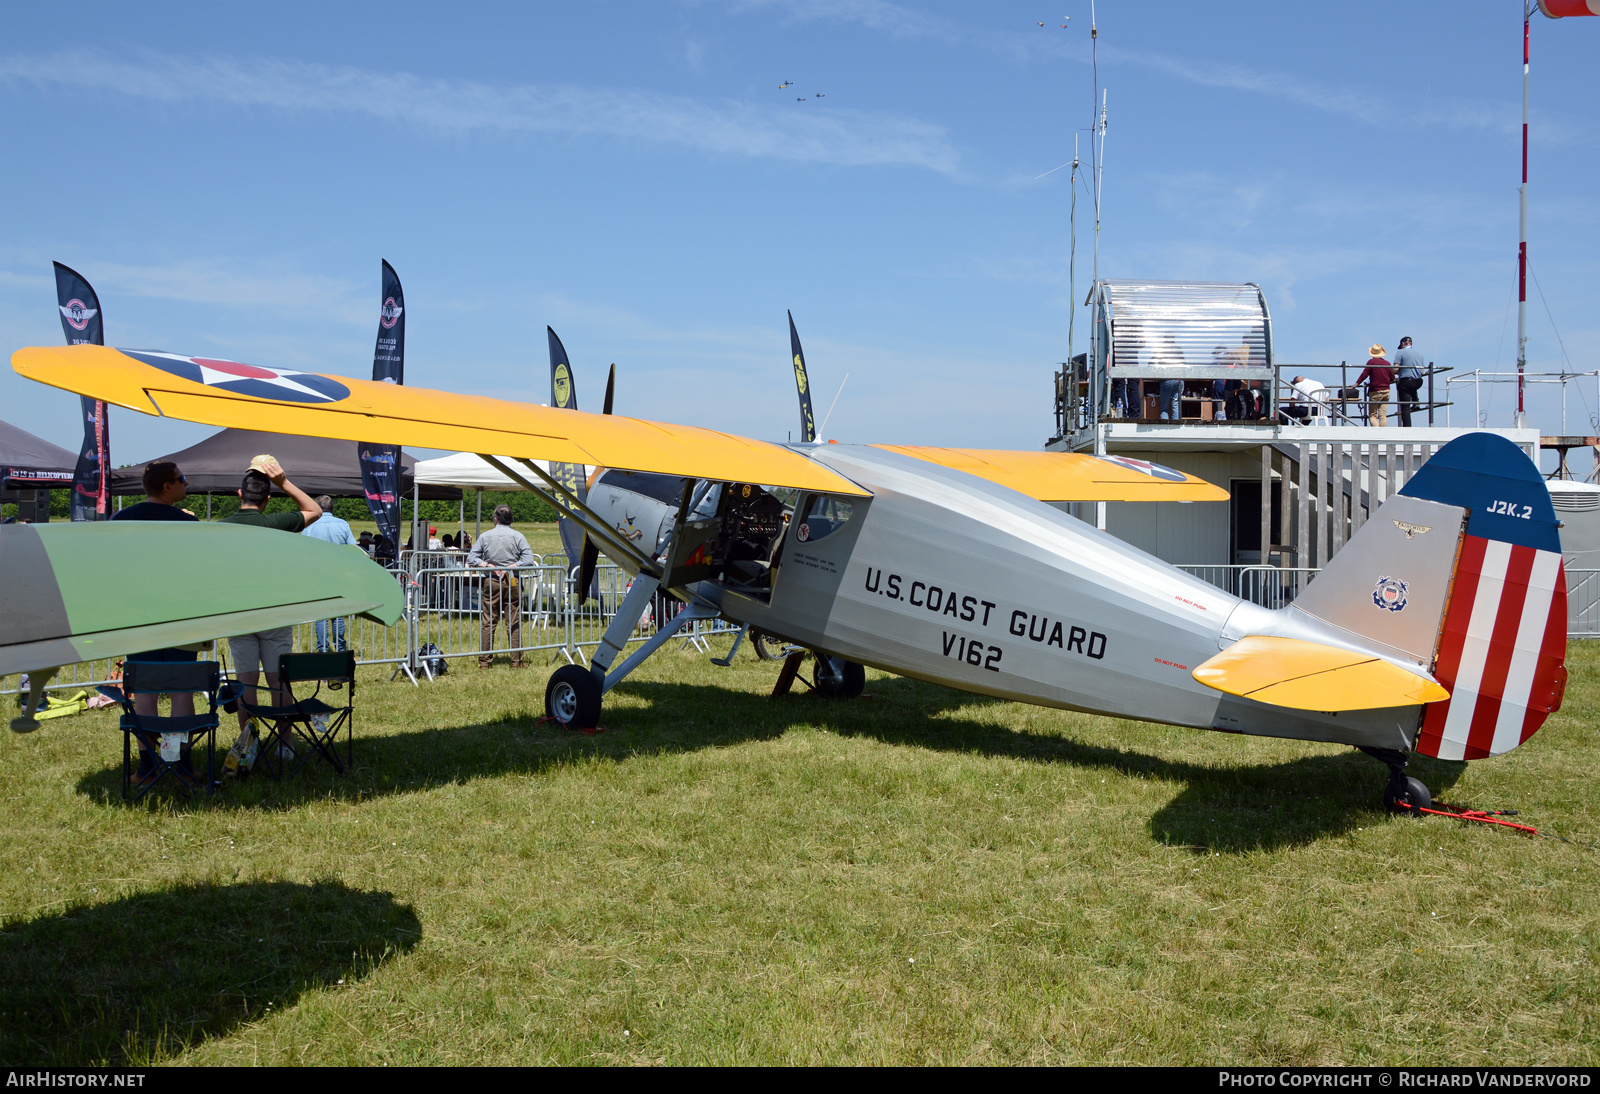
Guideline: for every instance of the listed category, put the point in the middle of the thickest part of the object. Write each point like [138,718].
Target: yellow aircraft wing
[1069,476]
[1290,672]
[228,393]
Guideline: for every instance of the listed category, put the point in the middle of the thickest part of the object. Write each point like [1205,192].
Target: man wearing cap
[1408,365]
[1379,378]
[165,488]
[500,546]
[264,648]
[330,529]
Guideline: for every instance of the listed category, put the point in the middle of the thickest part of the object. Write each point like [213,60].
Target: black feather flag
[808,424]
[82,323]
[380,463]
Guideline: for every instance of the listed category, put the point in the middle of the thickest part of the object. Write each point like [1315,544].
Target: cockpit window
[824,515]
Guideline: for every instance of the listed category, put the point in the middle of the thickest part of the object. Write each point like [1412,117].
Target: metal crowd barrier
[1268,586]
[1583,603]
[443,609]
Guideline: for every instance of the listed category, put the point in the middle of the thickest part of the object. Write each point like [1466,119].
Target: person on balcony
[1379,378]
[1409,367]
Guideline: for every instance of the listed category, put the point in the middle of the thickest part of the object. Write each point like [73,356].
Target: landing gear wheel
[573,697]
[1414,797]
[767,647]
[838,678]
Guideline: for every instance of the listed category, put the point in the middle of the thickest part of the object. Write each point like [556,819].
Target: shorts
[263,648]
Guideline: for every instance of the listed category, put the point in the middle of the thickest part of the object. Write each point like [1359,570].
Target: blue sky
[228,176]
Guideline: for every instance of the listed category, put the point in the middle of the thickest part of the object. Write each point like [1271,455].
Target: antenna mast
[1102,379]
[1072,263]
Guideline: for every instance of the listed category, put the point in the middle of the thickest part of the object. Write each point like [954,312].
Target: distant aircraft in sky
[789,83]
[820,95]
[800,99]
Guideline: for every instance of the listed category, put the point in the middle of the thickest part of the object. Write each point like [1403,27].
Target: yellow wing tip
[1062,476]
[1290,672]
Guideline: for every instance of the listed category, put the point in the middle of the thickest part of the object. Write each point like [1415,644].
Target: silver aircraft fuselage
[945,577]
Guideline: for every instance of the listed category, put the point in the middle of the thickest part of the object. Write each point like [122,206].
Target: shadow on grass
[146,977]
[1226,808]
[1223,808]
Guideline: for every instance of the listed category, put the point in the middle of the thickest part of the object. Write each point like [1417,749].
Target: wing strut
[559,499]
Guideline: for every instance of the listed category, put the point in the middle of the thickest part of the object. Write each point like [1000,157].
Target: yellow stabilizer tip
[1289,672]
[390,414]
[1063,476]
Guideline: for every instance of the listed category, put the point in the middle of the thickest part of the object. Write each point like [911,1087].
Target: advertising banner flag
[380,463]
[564,395]
[81,322]
[808,424]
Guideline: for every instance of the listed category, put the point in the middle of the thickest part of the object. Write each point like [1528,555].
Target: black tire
[838,678]
[767,647]
[572,697]
[1415,798]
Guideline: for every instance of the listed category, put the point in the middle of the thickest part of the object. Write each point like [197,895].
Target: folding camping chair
[316,724]
[168,738]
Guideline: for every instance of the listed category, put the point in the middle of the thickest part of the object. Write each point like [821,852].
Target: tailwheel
[1403,794]
[838,678]
[1407,796]
[573,697]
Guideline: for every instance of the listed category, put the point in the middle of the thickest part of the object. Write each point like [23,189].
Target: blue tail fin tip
[1497,484]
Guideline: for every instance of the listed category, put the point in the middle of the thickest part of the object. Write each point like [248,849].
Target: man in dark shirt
[164,488]
[264,647]
[1409,365]
[1379,378]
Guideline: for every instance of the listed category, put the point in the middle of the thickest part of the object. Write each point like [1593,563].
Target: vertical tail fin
[1461,571]
[1503,648]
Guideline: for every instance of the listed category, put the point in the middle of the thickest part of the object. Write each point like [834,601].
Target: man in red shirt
[1379,378]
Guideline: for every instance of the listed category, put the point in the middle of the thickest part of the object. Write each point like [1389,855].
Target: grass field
[920,876]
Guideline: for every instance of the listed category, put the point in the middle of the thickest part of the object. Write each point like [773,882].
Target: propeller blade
[586,567]
[611,388]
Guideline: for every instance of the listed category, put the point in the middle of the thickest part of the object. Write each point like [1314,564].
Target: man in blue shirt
[1409,366]
[332,529]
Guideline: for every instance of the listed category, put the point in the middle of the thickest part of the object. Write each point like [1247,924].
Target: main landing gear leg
[1403,794]
[728,660]
[573,695]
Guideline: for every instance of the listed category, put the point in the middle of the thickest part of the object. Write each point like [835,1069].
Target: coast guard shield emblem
[1390,594]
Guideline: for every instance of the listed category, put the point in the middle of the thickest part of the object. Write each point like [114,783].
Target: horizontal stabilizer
[1069,476]
[1289,672]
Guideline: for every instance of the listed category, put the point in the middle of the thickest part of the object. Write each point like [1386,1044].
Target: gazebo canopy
[468,471]
[32,463]
[316,465]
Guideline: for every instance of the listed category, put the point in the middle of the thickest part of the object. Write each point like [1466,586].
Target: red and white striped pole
[1522,237]
[1553,9]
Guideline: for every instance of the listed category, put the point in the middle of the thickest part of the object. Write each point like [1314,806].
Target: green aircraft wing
[77,592]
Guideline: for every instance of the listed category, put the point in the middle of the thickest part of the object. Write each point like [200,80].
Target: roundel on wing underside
[1145,467]
[281,384]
